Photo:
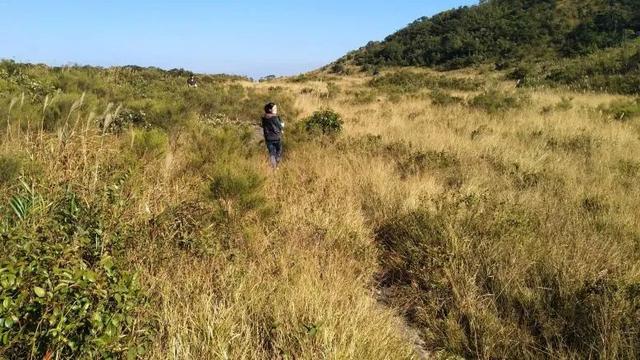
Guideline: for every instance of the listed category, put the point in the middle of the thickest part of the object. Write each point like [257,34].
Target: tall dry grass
[510,235]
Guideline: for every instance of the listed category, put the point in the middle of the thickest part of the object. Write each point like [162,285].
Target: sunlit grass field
[447,219]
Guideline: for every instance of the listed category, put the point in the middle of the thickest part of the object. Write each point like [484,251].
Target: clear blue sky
[247,37]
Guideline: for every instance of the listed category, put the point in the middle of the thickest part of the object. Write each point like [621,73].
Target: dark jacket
[272,127]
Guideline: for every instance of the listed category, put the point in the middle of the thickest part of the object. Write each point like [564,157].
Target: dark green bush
[127,118]
[339,68]
[57,111]
[565,104]
[370,69]
[63,291]
[614,70]
[521,73]
[325,121]
[302,78]
[505,32]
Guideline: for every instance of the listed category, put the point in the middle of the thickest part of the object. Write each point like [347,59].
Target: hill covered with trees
[514,34]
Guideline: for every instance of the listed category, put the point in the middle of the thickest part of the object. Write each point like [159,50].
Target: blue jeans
[275,152]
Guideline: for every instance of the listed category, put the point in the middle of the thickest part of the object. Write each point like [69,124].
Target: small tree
[326,121]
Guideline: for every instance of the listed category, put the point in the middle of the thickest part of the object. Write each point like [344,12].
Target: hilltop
[539,41]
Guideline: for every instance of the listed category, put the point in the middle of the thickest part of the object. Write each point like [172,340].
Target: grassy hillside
[447,215]
[511,33]
[613,69]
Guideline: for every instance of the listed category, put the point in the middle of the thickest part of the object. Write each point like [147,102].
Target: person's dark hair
[269,107]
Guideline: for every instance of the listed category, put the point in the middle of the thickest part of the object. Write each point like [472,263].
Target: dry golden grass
[305,282]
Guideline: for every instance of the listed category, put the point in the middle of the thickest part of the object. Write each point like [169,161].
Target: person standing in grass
[192,81]
[273,129]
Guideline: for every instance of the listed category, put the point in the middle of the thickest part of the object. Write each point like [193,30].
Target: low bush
[441,98]
[623,110]
[419,161]
[582,144]
[63,291]
[494,101]
[150,143]
[326,121]
[361,97]
[565,104]
[410,82]
[340,69]
[127,118]
[237,188]
[188,227]
[210,146]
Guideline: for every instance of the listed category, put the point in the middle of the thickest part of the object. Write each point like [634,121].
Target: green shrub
[614,70]
[340,69]
[410,82]
[302,78]
[57,111]
[521,73]
[494,101]
[326,121]
[441,98]
[565,104]
[188,226]
[10,168]
[210,146]
[370,69]
[234,184]
[152,143]
[125,119]
[63,291]
[623,110]
[361,97]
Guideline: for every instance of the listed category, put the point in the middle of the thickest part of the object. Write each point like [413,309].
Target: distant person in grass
[273,128]
[192,82]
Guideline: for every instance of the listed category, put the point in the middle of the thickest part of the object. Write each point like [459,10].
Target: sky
[250,37]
